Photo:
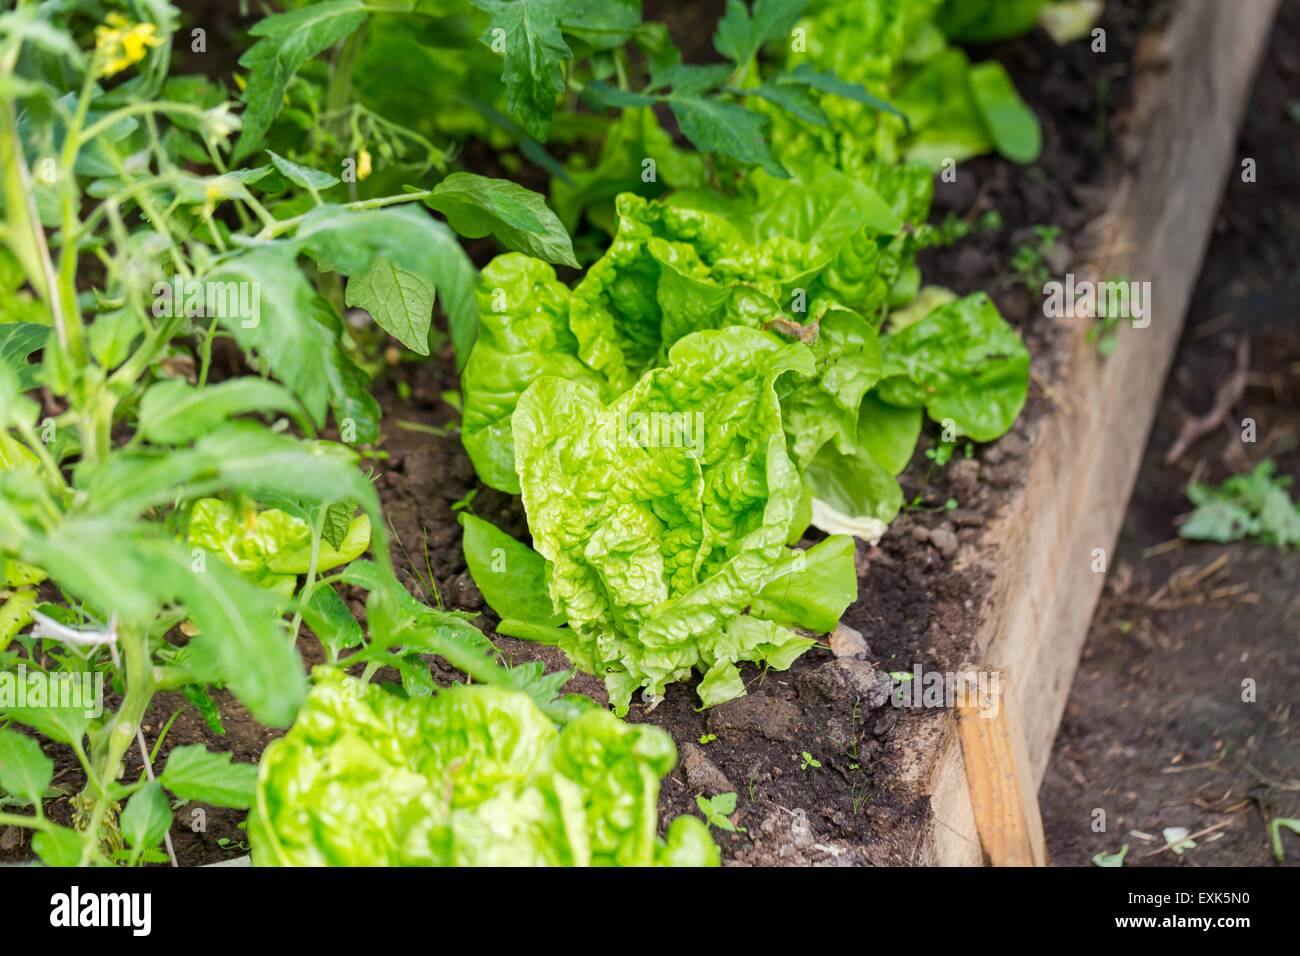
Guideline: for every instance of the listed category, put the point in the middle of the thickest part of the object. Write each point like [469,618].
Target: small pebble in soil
[702,773]
[847,642]
[465,593]
[945,541]
[964,478]
[886,723]
[837,679]
[966,518]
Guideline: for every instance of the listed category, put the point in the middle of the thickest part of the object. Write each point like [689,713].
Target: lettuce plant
[472,776]
[662,517]
[803,263]
[656,548]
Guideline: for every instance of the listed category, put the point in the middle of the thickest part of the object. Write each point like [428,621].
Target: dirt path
[1156,733]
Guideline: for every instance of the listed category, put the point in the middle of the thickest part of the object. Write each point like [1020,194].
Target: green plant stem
[339,91]
[70,200]
[79,749]
[38,448]
[316,532]
[121,730]
[143,356]
[281,226]
[133,109]
[31,823]
[24,233]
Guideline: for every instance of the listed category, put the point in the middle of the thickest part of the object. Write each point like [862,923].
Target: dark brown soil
[1156,732]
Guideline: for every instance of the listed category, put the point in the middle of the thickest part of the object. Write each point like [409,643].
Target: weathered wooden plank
[1189,98]
[1003,797]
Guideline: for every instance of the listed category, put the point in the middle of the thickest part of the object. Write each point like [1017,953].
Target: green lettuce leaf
[473,776]
[265,544]
[811,589]
[961,362]
[524,333]
[511,575]
[665,512]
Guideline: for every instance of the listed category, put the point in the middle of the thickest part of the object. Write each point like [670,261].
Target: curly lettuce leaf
[473,776]
[268,546]
[961,362]
[852,494]
[523,334]
[848,356]
[673,270]
[665,512]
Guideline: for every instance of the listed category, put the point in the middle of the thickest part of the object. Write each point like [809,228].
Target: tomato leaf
[527,34]
[195,773]
[717,127]
[478,205]
[303,176]
[741,33]
[400,301]
[147,817]
[288,40]
[25,771]
[175,413]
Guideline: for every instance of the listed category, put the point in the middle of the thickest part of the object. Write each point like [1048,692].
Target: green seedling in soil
[858,782]
[708,738]
[233,845]
[1275,834]
[466,503]
[1176,839]
[1255,507]
[1103,333]
[1029,262]
[809,761]
[955,228]
[718,809]
[423,575]
[1111,859]
[939,455]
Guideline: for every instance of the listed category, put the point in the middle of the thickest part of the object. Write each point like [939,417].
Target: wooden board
[1003,795]
[1191,88]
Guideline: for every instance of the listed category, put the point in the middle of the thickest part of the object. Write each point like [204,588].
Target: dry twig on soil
[1229,394]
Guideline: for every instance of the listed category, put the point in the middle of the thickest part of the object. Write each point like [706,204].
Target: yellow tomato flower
[363,164]
[120,43]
